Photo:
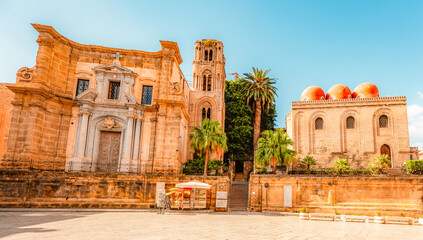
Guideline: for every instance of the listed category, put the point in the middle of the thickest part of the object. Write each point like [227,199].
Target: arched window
[350,122]
[204,83]
[318,123]
[211,55]
[383,121]
[209,83]
[206,55]
[205,113]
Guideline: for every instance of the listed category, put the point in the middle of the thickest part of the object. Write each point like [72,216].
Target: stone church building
[98,109]
[358,126]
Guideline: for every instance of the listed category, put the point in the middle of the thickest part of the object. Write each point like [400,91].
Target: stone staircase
[238,199]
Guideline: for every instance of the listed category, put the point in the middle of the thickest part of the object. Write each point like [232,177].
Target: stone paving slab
[150,225]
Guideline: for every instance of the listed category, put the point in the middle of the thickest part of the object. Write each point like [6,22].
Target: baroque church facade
[97,109]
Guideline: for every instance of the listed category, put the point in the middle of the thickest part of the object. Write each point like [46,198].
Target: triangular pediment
[87,95]
[113,68]
[130,99]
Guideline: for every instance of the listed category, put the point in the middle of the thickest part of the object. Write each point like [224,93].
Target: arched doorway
[385,149]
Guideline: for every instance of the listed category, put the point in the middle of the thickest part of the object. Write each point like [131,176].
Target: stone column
[82,138]
[80,162]
[127,143]
[136,154]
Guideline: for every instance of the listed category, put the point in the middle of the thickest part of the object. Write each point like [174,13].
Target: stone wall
[89,190]
[5,115]
[393,196]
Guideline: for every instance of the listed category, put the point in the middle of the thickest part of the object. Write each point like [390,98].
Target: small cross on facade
[117,55]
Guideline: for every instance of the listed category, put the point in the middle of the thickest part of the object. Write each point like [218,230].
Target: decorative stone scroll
[176,88]
[24,74]
[110,123]
[45,40]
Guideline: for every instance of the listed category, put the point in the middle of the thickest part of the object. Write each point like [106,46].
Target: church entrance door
[108,152]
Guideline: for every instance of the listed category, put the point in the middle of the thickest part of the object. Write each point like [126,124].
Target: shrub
[196,166]
[217,165]
[262,170]
[380,164]
[341,165]
[414,166]
[331,171]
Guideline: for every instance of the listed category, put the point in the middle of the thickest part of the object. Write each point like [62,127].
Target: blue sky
[304,43]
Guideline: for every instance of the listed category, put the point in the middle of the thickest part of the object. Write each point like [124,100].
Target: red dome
[366,90]
[313,93]
[339,91]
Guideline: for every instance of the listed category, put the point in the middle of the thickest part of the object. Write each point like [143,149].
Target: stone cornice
[183,105]
[172,45]
[356,102]
[44,29]
[39,89]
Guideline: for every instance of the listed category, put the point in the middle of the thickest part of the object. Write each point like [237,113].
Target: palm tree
[288,158]
[308,161]
[260,91]
[384,161]
[208,138]
[273,149]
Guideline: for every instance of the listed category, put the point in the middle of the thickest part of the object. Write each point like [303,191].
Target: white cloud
[417,144]
[420,94]
[414,110]
[415,123]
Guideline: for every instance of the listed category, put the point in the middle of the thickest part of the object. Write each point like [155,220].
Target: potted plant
[303,214]
[378,218]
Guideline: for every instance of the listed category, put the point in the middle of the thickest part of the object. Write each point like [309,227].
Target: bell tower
[209,66]
[207,100]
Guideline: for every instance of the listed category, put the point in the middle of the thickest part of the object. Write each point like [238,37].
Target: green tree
[239,121]
[208,138]
[308,161]
[273,149]
[260,92]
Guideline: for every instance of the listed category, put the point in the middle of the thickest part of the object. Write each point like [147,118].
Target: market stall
[190,195]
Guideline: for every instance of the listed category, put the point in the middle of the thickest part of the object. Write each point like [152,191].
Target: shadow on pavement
[21,222]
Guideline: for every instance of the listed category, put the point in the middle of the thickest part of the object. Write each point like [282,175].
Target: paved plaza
[120,225]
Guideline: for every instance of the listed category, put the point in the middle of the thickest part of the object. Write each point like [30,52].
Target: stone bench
[353,218]
[322,216]
[399,220]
